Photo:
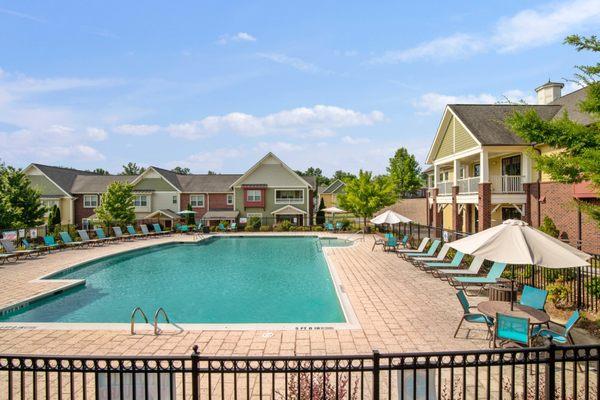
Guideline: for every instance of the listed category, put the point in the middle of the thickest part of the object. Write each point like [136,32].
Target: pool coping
[345,303]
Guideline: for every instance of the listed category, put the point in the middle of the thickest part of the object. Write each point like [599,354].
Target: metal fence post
[195,357]
[550,372]
[579,289]
[376,359]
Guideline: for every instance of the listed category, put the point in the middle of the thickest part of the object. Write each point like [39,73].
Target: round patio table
[490,308]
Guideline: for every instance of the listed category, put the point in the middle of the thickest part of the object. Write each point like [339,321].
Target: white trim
[459,155]
[200,195]
[90,195]
[140,177]
[227,199]
[287,202]
[448,109]
[259,163]
[54,183]
[294,209]
[247,200]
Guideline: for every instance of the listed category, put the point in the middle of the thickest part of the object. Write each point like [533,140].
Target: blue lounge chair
[419,249]
[455,263]
[533,297]
[158,230]
[86,239]
[132,232]
[509,328]
[439,258]
[146,232]
[429,253]
[101,236]
[469,316]
[464,282]
[50,243]
[119,233]
[329,227]
[68,240]
[10,248]
[563,337]
[454,270]
[36,249]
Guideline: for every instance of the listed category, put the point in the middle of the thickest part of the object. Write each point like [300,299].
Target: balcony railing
[444,188]
[507,184]
[468,185]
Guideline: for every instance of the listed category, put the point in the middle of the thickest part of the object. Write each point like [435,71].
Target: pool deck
[399,309]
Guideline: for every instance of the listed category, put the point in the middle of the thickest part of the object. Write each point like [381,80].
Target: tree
[320,214]
[181,170]
[190,219]
[579,158]
[20,204]
[366,195]
[211,172]
[132,168]
[116,206]
[54,217]
[321,179]
[405,171]
[342,176]
[100,171]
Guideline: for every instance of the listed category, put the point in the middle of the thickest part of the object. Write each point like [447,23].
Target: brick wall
[218,201]
[485,206]
[185,200]
[415,209]
[80,211]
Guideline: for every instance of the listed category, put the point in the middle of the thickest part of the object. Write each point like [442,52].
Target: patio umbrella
[390,217]
[186,212]
[515,242]
[333,211]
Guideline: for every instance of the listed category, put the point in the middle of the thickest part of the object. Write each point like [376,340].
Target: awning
[288,210]
[166,213]
[225,215]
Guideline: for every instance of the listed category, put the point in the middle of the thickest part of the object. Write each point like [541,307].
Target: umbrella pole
[512,293]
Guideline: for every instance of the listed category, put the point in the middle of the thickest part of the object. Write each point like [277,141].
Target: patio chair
[158,230]
[146,232]
[474,267]
[233,227]
[221,227]
[101,236]
[475,318]
[339,226]
[7,258]
[10,248]
[455,263]
[391,243]
[86,239]
[533,297]
[377,241]
[37,249]
[50,243]
[563,337]
[512,329]
[439,258]
[419,249]
[429,253]
[119,234]
[463,282]
[329,227]
[68,240]
[133,233]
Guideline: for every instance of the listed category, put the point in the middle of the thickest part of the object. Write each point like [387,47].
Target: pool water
[220,280]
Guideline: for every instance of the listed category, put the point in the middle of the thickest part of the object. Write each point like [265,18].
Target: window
[294,196]
[444,176]
[141,200]
[229,199]
[90,201]
[174,199]
[197,200]
[511,166]
[476,169]
[253,196]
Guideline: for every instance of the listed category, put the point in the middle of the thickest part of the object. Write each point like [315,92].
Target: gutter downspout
[539,187]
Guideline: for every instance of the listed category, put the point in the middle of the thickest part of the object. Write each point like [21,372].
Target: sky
[215,85]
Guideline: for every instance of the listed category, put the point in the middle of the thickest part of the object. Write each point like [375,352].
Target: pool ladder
[156,314]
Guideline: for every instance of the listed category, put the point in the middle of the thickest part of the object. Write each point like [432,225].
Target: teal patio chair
[439,258]
[419,249]
[339,226]
[563,337]
[85,238]
[50,243]
[512,329]
[390,243]
[463,282]
[158,230]
[429,253]
[132,232]
[533,297]
[68,240]
[146,232]
[475,318]
[329,227]
[36,249]
[233,227]
[101,236]
[10,248]
[474,267]
[221,227]
[119,233]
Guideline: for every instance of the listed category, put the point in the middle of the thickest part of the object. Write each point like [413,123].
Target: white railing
[468,185]
[289,201]
[507,183]
[444,188]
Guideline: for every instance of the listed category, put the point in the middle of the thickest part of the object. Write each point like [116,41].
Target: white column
[526,164]
[456,167]
[436,174]
[484,167]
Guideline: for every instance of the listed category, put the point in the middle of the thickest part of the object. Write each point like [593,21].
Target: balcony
[468,185]
[507,183]
[444,188]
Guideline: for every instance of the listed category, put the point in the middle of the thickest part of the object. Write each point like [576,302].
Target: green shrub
[265,228]
[317,228]
[254,223]
[248,228]
[549,227]
[558,293]
[593,286]
[553,275]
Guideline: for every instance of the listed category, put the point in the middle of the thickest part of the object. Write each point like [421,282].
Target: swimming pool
[218,280]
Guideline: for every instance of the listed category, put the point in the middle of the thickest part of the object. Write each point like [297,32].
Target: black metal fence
[533,373]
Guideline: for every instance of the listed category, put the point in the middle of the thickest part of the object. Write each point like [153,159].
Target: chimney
[548,92]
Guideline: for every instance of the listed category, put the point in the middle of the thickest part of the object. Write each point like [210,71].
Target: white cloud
[456,46]
[96,134]
[434,103]
[137,130]
[293,62]
[548,24]
[20,15]
[238,37]
[317,121]
[355,140]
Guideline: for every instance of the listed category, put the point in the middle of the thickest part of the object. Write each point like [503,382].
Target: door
[511,174]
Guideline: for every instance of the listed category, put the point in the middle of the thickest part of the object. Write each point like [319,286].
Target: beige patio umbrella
[390,217]
[333,211]
[515,242]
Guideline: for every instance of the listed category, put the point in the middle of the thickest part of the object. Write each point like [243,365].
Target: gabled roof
[260,162]
[334,186]
[570,104]
[166,212]
[288,210]
[213,183]
[61,176]
[97,183]
[169,176]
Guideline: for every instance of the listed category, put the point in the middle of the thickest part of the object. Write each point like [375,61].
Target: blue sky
[215,85]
